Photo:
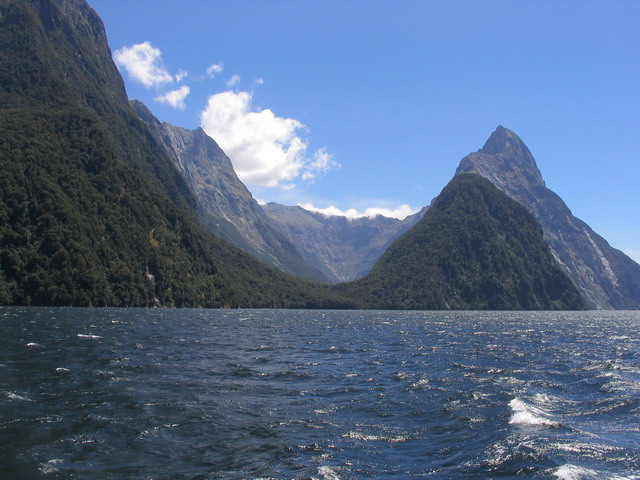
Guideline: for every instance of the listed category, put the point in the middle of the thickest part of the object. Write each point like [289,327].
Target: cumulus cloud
[175,98]
[214,68]
[399,212]
[143,63]
[266,150]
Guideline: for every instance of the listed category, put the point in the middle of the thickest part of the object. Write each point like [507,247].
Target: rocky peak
[504,159]
[503,139]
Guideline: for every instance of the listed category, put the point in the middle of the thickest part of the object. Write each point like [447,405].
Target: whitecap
[573,472]
[420,383]
[375,438]
[323,411]
[15,396]
[528,415]
[328,473]
[94,337]
[50,466]
[33,344]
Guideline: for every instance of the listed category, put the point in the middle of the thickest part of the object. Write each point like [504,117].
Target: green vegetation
[475,248]
[91,210]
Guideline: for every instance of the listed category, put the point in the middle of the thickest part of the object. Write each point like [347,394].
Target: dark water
[162,394]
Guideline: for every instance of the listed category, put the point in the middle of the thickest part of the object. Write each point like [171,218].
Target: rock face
[606,277]
[342,249]
[224,204]
[475,248]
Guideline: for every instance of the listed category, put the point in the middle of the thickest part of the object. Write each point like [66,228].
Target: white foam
[328,473]
[420,383]
[50,466]
[375,438]
[15,396]
[528,415]
[33,344]
[95,337]
[573,472]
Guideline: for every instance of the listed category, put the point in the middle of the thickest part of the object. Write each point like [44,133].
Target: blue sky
[372,104]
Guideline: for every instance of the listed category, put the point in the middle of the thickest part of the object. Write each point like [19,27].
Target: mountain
[475,248]
[606,277]
[224,204]
[292,239]
[342,249]
[92,211]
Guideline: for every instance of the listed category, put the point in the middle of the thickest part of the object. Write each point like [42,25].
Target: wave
[528,415]
[375,438]
[573,472]
[15,396]
[328,473]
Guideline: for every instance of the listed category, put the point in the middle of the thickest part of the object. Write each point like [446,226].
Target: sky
[365,107]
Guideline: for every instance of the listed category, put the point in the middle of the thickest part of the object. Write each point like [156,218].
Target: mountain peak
[606,278]
[502,139]
[503,159]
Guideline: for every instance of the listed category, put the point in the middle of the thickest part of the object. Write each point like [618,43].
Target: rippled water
[163,394]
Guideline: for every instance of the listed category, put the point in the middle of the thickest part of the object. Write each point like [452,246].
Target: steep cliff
[224,204]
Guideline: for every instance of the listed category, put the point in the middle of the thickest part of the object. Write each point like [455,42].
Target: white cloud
[175,98]
[233,81]
[399,212]
[181,75]
[321,163]
[265,149]
[214,68]
[143,64]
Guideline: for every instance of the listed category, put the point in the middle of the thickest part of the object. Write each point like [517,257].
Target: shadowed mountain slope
[475,248]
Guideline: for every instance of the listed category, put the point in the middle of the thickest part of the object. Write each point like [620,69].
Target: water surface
[207,394]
